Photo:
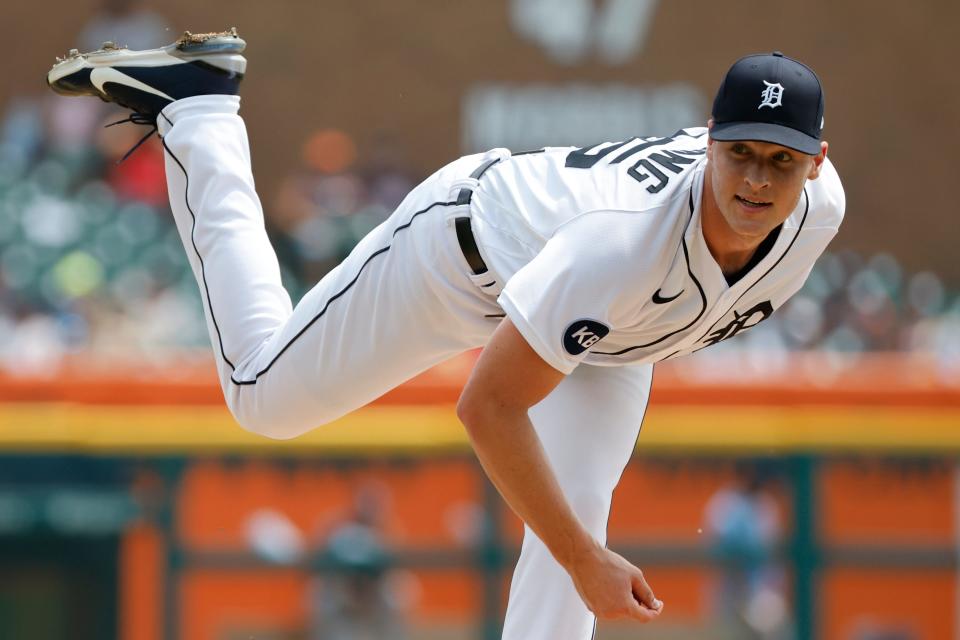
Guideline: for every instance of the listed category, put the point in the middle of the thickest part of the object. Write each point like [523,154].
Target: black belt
[468,244]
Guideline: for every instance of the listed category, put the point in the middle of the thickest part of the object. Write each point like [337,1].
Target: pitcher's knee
[271,426]
[280,423]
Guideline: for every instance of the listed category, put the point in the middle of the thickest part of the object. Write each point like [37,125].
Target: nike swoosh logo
[101,75]
[657,299]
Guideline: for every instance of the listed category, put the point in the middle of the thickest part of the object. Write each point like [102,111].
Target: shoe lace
[139,119]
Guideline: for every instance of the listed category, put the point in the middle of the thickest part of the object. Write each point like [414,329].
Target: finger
[642,613]
[643,593]
[658,606]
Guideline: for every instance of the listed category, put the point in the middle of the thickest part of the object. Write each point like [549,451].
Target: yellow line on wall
[62,427]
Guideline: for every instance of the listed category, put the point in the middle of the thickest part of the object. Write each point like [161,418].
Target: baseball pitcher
[575,269]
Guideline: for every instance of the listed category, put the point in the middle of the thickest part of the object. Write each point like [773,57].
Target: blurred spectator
[324,209]
[312,204]
[358,600]
[141,176]
[21,134]
[384,173]
[744,524]
[69,132]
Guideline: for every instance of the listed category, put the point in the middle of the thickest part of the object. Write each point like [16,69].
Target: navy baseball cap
[771,98]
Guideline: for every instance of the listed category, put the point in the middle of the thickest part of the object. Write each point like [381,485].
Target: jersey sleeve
[574,292]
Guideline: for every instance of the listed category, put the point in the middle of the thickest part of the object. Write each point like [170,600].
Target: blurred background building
[798,482]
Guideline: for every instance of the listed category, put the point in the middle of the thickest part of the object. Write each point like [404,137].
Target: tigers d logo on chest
[741,322]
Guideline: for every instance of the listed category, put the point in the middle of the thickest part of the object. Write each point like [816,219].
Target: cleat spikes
[73,53]
[189,38]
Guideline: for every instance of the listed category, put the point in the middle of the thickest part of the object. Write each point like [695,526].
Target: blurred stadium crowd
[91,264]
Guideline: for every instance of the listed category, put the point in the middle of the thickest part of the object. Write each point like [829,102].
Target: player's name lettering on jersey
[644,168]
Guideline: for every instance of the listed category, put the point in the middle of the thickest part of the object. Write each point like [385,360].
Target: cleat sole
[220,49]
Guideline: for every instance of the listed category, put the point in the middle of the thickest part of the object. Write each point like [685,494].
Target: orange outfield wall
[803,379]
[657,503]
[880,408]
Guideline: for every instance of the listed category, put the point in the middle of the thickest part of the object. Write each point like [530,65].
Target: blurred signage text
[531,117]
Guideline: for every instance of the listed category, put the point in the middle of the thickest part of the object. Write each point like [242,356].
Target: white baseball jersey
[604,257]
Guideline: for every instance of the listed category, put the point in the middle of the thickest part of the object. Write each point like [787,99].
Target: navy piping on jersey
[703,297]
[316,317]
[340,293]
[806,210]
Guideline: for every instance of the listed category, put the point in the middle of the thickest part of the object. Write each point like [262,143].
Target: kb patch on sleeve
[583,334]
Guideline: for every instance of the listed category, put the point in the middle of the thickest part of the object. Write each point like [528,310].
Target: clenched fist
[611,587]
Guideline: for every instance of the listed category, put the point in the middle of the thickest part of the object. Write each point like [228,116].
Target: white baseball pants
[404,300]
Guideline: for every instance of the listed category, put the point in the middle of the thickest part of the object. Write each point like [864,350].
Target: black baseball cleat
[147,81]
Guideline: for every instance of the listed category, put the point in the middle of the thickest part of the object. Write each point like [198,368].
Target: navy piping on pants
[325,306]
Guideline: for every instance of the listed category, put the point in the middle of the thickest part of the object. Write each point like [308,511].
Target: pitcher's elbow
[469,411]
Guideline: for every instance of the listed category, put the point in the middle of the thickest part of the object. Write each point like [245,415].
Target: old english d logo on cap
[772,95]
